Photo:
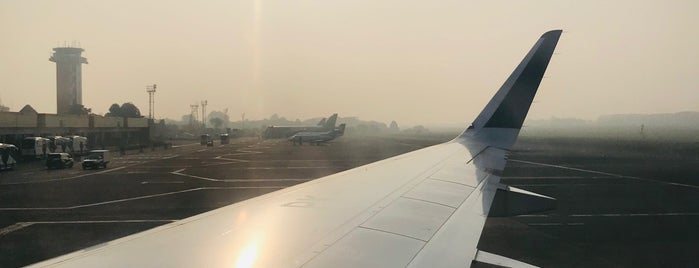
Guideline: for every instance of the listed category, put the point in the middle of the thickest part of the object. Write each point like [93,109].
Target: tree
[114,110]
[130,110]
[216,121]
[225,121]
[79,109]
[394,127]
[125,110]
[4,108]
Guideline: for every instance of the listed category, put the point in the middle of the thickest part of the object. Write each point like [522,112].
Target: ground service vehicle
[8,155]
[97,159]
[225,139]
[59,160]
[35,147]
[204,139]
[78,144]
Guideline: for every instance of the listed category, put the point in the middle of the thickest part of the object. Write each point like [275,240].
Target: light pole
[203,112]
[151,100]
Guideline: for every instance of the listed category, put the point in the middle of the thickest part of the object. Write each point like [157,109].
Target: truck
[97,159]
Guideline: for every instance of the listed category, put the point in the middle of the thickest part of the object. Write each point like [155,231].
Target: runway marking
[161,182]
[170,157]
[557,224]
[179,173]
[275,168]
[14,227]
[98,221]
[65,179]
[184,145]
[144,197]
[21,225]
[637,214]
[232,159]
[559,177]
[611,215]
[559,184]
[215,164]
[201,150]
[607,174]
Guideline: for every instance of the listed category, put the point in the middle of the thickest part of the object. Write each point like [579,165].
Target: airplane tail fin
[322,122]
[502,117]
[341,130]
[330,123]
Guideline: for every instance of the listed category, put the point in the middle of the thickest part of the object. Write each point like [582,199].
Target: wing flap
[454,244]
[412,218]
[369,248]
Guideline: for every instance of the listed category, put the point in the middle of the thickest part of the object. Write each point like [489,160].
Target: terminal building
[101,131]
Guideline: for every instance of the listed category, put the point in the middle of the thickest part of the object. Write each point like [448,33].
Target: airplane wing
[426,208]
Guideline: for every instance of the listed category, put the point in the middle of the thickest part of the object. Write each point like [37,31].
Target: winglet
[509,106]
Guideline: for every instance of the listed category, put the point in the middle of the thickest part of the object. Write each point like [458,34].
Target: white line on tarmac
[232,159]
[21,225]
[65,179]
[612,215]
[98,221]
[557,184]
[560,177]
[637,214]
[275,168]
[556,224]
[179,173]
[143,197]
[161,182]
[14,227]
[184,145]
[606,173]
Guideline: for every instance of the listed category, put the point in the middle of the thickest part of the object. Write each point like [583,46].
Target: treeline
[355,126]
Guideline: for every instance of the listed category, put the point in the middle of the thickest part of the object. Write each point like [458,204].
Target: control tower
[69,85]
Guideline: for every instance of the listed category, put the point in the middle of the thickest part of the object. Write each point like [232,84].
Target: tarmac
[620,203]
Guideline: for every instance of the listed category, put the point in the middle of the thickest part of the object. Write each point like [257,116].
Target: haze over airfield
[416,62]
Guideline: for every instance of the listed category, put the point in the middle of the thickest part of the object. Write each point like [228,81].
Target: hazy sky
[416,62]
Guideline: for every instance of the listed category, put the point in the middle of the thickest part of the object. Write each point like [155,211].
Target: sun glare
[247,257]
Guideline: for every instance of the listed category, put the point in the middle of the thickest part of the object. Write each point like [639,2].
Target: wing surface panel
[277,227]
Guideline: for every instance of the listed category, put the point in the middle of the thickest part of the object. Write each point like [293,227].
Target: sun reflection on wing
[247,257]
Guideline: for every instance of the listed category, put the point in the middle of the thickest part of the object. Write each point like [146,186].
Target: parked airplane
[426,208]
[317,137]
[276,132]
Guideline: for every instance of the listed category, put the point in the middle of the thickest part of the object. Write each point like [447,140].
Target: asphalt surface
[620,204]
